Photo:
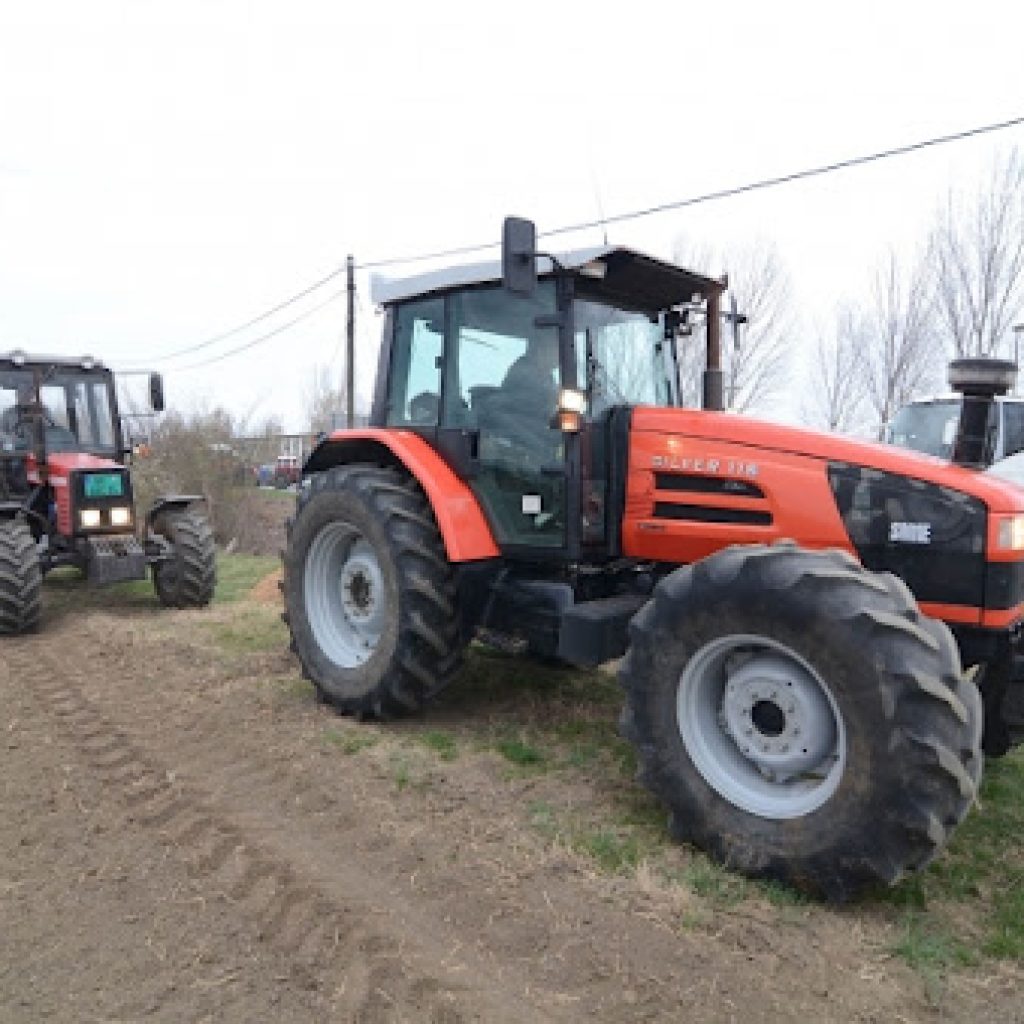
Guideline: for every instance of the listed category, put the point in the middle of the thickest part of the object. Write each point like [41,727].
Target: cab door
[503,378]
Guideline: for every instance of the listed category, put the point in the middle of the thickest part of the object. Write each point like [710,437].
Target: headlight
[571,400]
[120,517]
[572,404]
[1010,532]
[89,518]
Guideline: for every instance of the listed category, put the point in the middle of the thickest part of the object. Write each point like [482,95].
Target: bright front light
[89,518]
[120,517]
[1011,533]
[571,400]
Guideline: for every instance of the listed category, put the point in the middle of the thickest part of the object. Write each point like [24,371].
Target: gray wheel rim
[761,727]
[344,595]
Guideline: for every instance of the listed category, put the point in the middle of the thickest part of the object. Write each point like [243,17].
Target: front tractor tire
[188,576]
[801,719]
[369,593]
[21,579]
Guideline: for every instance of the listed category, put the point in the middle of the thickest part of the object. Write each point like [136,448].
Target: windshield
[1011,469]
[623,358]
[928,427]
[76,409]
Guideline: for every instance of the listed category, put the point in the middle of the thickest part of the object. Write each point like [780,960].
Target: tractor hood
[63,463]
[690,434]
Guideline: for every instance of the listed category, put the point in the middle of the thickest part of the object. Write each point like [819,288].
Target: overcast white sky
[170,169]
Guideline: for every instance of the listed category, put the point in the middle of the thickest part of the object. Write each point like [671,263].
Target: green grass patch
[782,896]
[254,631]
[589,740]
[521,753]
[491,676]
[350,742]
[616,848]
[403,774]
[273,494]
[931,950]
[441,743]
[238,574]
[1006,925]
[979,877]
[614,851]
[706,878]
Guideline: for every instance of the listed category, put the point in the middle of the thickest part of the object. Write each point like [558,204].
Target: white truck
[929,425]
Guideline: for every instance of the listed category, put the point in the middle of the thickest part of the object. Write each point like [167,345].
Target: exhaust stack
[980,381]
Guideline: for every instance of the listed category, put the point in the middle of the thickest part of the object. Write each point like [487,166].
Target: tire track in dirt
[292,913]
[424,876]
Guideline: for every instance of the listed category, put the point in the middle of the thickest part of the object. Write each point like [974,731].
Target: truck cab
[929,425]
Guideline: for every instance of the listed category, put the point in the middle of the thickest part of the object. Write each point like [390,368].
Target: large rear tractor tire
[188,578]
[801,719]
[369,593]
[21,580]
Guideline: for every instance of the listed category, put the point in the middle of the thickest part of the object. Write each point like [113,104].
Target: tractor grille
[13,476]
[694,484]
[696,498]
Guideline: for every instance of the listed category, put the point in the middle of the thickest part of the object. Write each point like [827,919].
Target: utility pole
[1017,330]
[735,318]
[350,343]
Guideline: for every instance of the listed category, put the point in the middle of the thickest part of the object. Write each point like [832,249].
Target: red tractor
[66,493]
[794,610]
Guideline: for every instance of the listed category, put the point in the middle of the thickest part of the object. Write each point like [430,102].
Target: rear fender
[172,503]
[467,536]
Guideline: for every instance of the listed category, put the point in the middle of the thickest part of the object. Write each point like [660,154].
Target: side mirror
[156,392]
[518,252]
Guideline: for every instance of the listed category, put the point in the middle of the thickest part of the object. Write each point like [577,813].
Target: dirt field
[188,836]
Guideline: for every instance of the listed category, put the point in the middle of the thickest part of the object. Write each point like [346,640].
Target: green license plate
[104,485]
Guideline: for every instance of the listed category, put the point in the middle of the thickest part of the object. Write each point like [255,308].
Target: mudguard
[466,533]
[172,503]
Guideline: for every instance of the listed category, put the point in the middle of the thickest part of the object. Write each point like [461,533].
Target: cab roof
[621,275]
[18,359]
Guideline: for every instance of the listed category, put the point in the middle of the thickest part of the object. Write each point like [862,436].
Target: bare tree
[836,385]
[325,399]
[755,360]
[977,260]
[195,454]
[898,333]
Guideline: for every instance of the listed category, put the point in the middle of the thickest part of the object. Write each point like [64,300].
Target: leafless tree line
[756,356]
[961,296]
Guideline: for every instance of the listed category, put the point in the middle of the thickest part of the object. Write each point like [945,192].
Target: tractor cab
[524,383]
[58,405]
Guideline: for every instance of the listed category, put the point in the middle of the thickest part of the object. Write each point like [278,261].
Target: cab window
[414,392]
[1013,427]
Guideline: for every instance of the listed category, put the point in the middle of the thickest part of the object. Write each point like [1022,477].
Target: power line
[465,250]
[260,339]
[224,335]
[726,193]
